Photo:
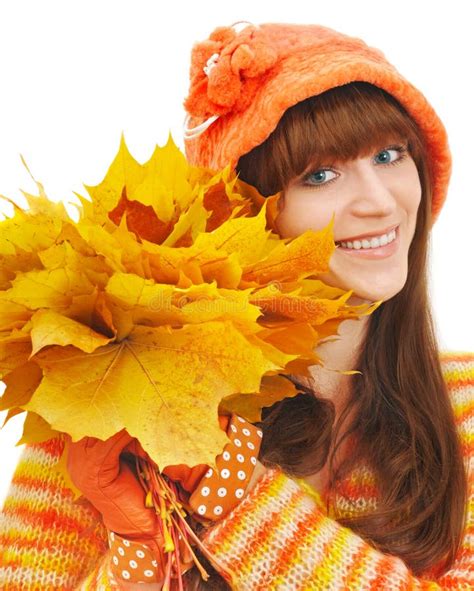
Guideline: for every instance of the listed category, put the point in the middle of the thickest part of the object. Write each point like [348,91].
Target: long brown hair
[403,419]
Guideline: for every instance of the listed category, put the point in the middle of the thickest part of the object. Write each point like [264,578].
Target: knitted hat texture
[241,83]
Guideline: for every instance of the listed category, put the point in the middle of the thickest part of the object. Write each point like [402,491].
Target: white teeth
[372,242]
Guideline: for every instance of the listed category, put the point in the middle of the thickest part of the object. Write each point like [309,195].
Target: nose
[373,191]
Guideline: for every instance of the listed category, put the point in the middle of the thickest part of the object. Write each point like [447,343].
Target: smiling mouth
[376,252]
[368,237]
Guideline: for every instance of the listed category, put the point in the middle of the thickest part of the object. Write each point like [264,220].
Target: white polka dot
[246,432]
[209,473]
[241,475]
[259,433]
[115,560]
[201,509]
[239,493]
[240,419]
[121,551]
[140,553]
[237,442]
[154,563]
[226,455]
[125,574]
[221,492]
[133,563]
[253,460]
[250,445]
[240,458]
[225,473]
[233,428]
[205,491]
[126,543]
[148,573]
[217,510]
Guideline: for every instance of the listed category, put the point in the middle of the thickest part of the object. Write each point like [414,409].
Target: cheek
[411,192]
[301,213]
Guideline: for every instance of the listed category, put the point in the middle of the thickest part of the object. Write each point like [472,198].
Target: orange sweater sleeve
[279,538]
[47,541]
[101,578]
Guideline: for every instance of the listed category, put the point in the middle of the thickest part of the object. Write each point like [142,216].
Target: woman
[362,481]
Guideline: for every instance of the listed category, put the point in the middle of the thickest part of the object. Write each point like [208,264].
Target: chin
[362,295]
[366,289]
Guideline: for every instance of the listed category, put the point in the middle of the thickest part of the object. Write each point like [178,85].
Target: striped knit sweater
[278,538]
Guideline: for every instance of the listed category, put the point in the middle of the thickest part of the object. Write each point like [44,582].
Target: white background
[74,75]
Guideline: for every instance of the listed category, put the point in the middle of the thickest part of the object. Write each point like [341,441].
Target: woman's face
[369,196]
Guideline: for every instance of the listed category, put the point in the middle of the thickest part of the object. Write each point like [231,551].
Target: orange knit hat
[242,83]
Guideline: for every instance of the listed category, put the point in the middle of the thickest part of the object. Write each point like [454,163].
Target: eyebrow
[321,162]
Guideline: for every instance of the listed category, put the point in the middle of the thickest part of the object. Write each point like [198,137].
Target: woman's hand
[111,484]
[102,472]
[105,475]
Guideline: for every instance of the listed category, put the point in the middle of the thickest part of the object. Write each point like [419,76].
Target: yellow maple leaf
[162,385]
[272,389]
[20,383]
[36,430]
[307,254]
[51,328]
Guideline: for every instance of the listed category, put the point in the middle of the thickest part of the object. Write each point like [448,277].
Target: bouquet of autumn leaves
[172,298]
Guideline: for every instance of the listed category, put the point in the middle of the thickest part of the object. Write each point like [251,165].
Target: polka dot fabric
[221,489]
[216,494]
[132,561]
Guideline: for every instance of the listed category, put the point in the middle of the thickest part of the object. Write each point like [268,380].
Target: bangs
[341,124]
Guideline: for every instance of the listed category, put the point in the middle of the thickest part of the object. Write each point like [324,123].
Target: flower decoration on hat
[226,70]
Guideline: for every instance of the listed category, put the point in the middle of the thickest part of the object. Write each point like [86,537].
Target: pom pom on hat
[225,69]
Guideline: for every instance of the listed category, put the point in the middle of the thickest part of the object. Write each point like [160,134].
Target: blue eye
[321,175]
[318,178]
[400,149]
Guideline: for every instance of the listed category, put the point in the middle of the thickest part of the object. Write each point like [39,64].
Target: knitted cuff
[101,577]
[248,536]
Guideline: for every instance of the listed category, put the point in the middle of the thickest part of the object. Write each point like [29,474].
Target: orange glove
[111,485]
[113,488]
[100,470]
